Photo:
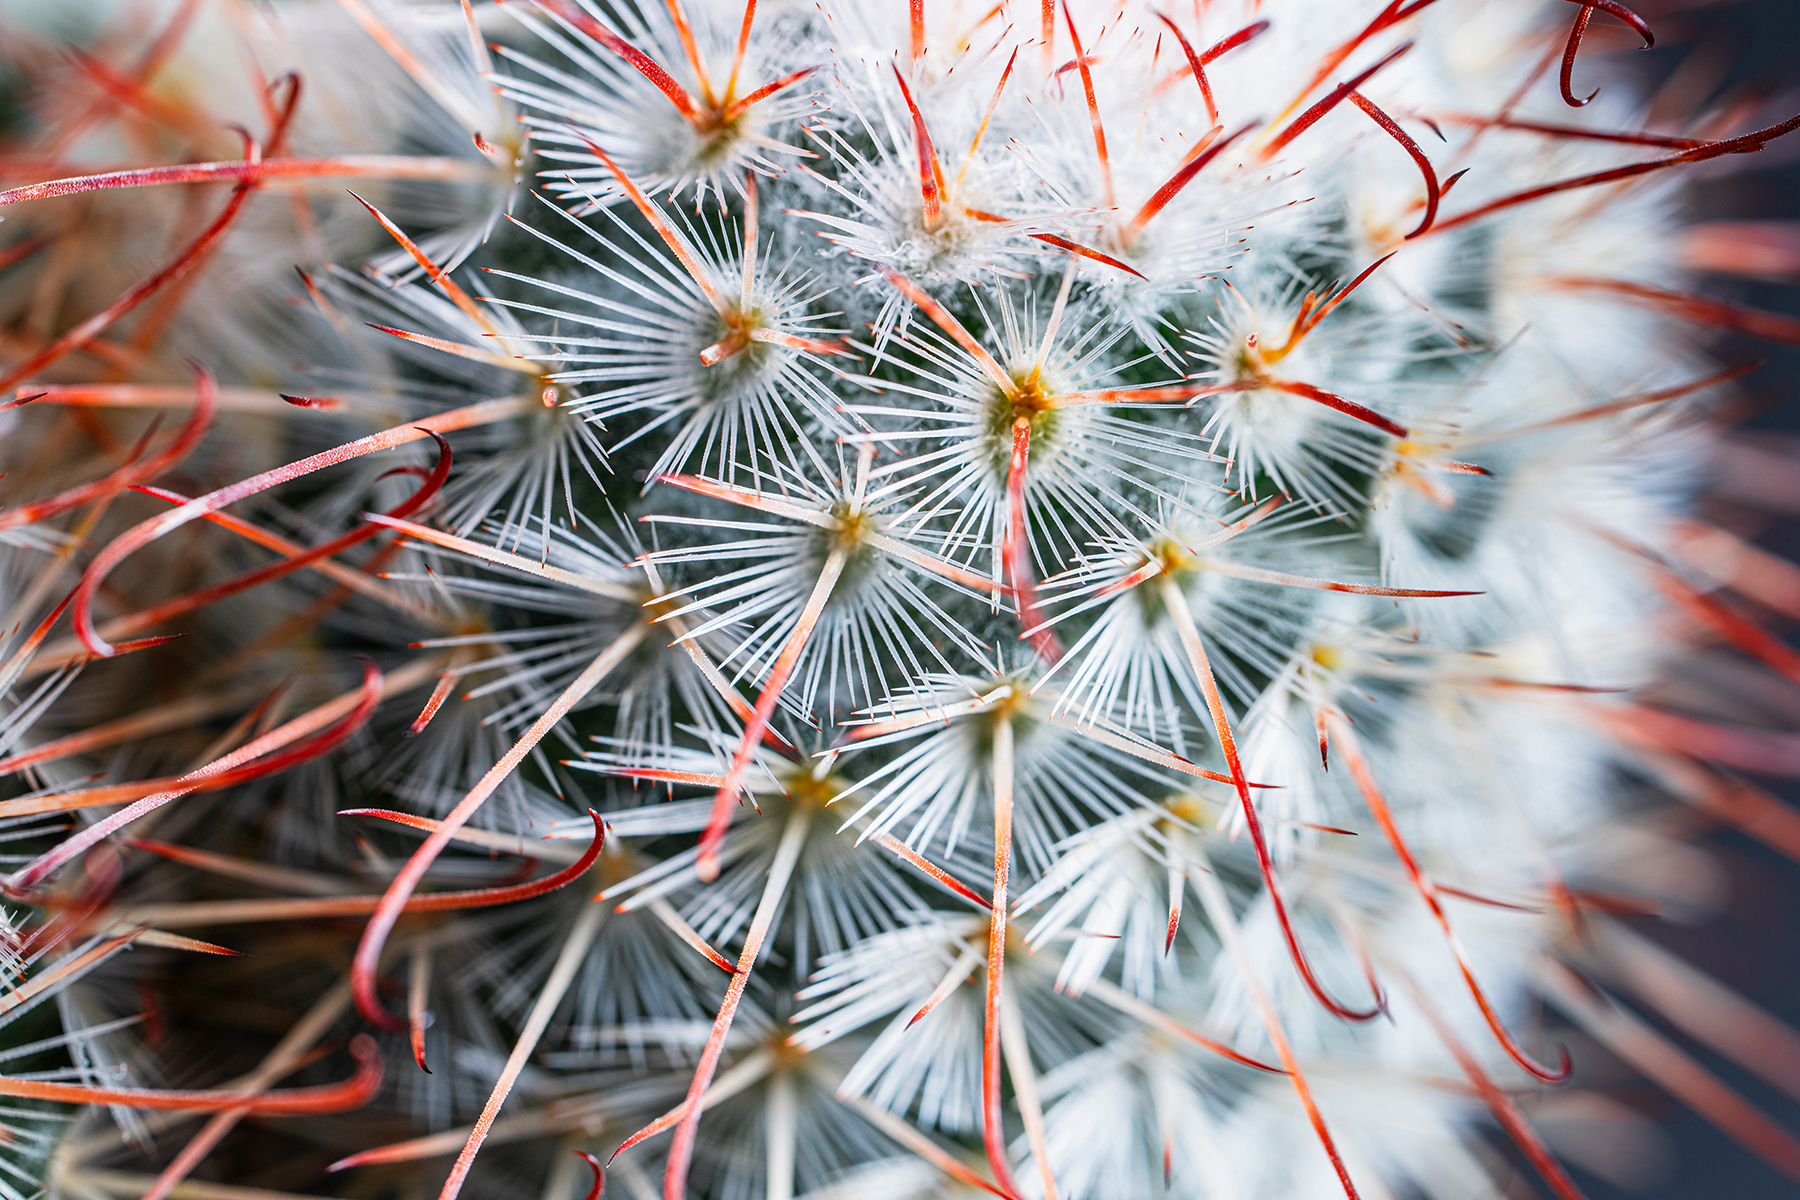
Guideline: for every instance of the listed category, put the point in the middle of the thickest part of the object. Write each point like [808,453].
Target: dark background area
[1753,944]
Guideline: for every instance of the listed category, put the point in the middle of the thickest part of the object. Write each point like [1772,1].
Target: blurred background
[1752,942]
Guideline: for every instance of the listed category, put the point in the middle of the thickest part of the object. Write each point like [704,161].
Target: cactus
[852,599]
